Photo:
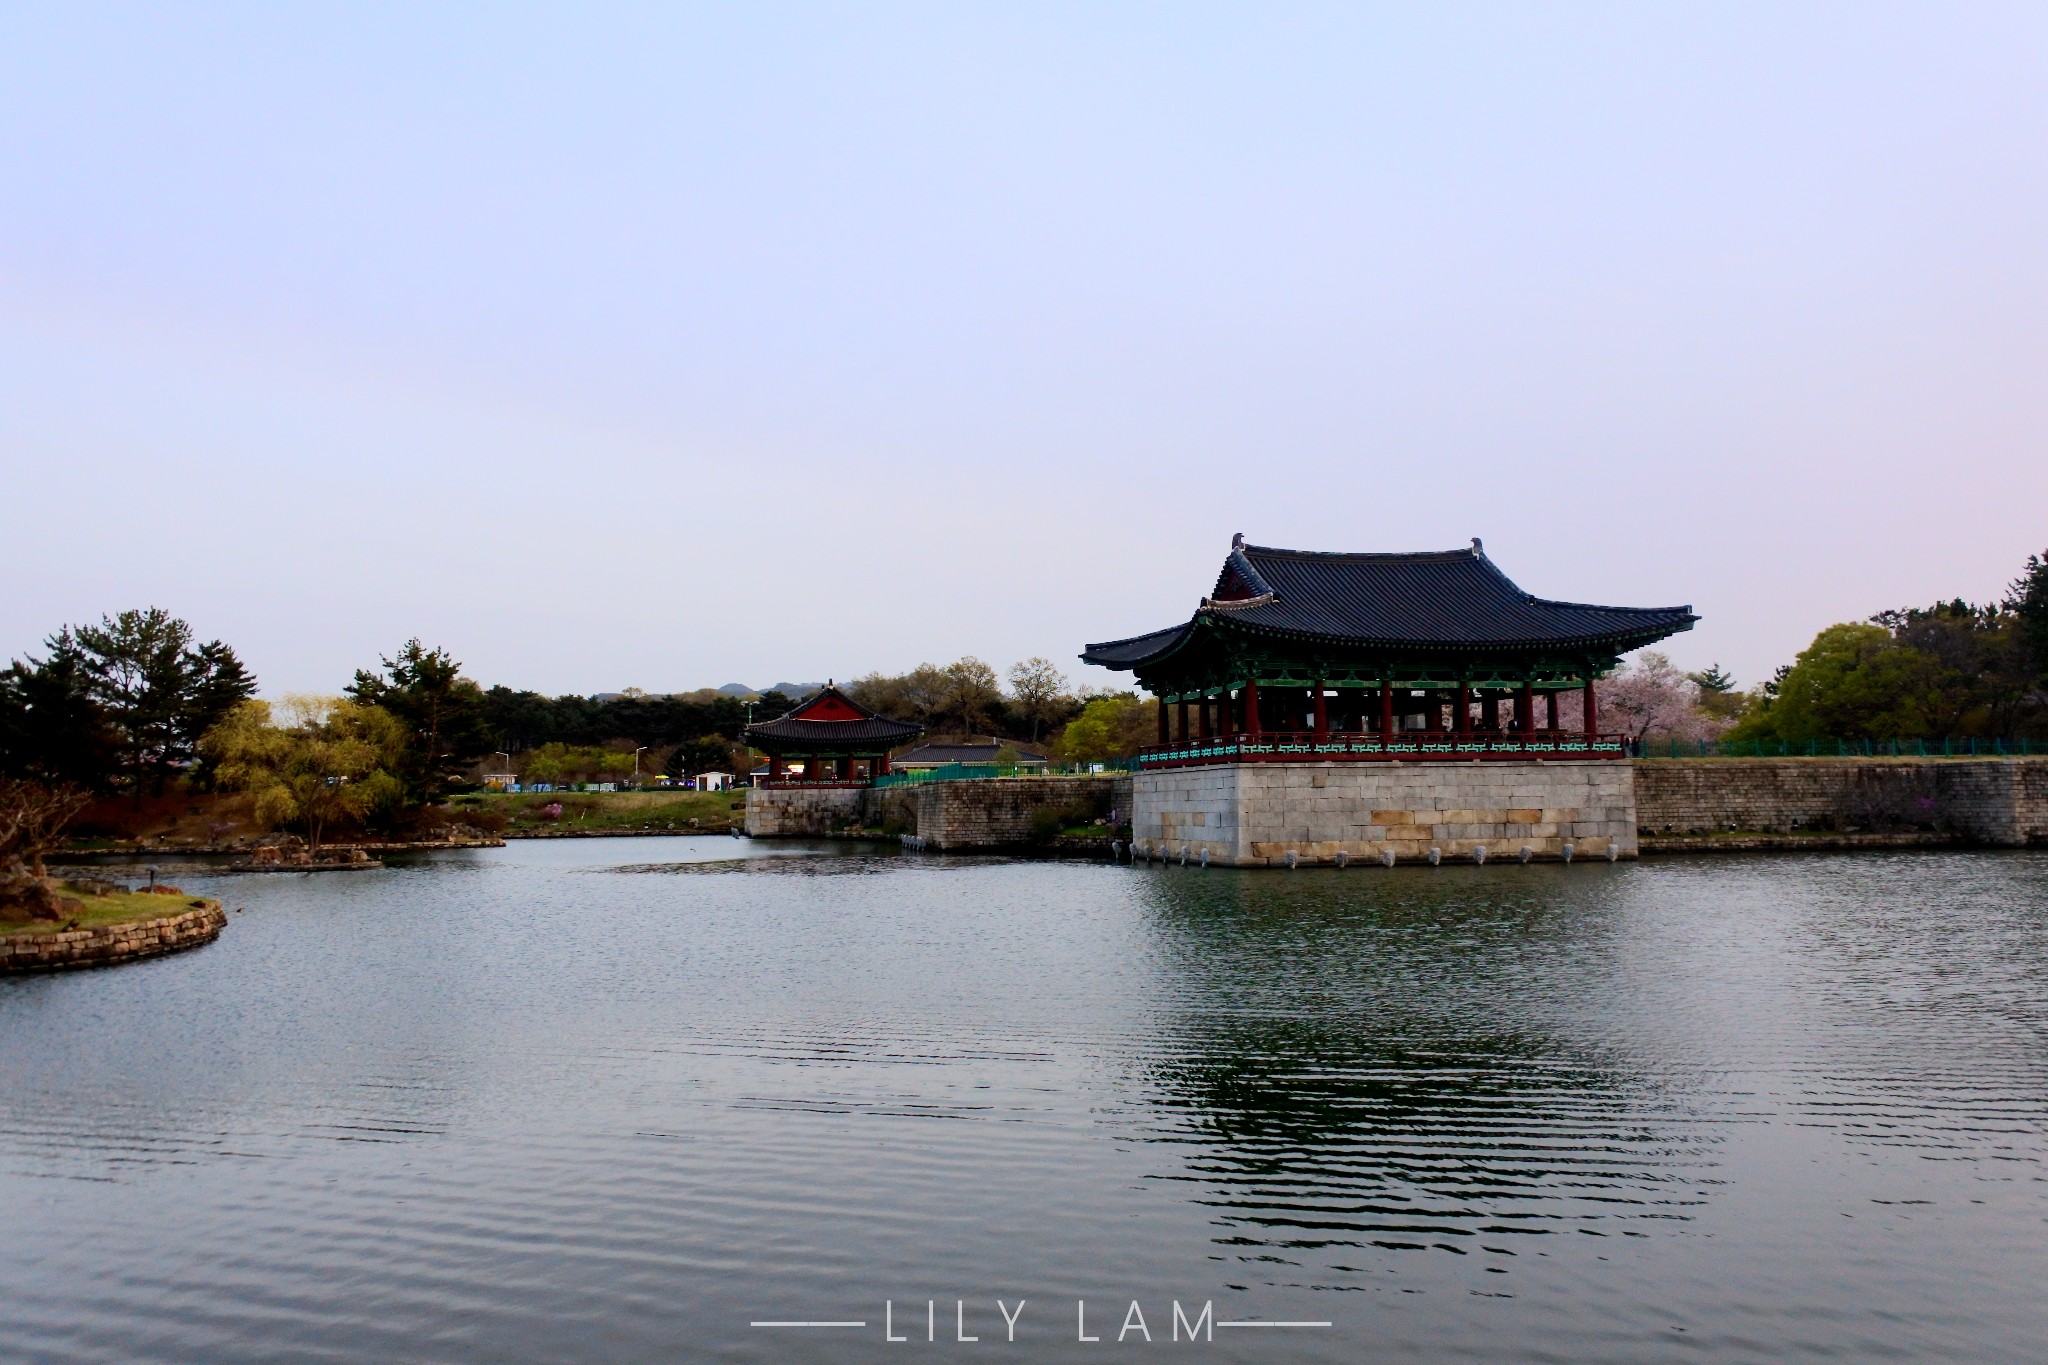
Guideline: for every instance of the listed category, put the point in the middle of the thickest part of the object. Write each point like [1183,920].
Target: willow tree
[330,760]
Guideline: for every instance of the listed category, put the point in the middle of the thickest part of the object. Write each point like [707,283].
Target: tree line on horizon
[136,704]
[1955,670]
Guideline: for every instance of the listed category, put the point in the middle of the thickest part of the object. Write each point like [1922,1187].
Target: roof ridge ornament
[1239,603]
[1237,541]
[1477,548]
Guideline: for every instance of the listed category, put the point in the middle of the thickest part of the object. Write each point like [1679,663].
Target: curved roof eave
[1170,638]
[1648,634]
[1622,640]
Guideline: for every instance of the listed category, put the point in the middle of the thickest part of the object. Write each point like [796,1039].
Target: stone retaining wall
[1255,814]
[1003,812]
[1011,812]
[113,943]
[802,812]
[1791,843]
[1989,800]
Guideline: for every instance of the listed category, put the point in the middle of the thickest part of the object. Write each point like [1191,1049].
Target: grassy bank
[654,812]
[101,912]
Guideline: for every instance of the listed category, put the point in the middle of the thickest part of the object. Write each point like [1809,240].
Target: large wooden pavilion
[1300,654]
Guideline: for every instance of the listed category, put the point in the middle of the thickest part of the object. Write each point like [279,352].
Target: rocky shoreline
[607,833]
[141,852]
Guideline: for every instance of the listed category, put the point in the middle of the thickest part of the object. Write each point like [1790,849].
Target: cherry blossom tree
[1649,697]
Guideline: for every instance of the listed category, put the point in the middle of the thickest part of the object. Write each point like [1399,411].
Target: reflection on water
[508,1105]
[1318,1139]
[1356,1068]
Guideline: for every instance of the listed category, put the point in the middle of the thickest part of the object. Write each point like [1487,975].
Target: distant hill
[787,689]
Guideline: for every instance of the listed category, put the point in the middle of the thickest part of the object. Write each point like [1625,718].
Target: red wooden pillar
[1160,703]
[1550,710]
[775,768]
[1525,708]
[1251,707]
[881,765]
[1386,707]
[1462,722]
[1322,713]
[1592,712]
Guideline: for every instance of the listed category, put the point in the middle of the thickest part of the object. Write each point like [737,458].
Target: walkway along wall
[1999,801]
[1255,814]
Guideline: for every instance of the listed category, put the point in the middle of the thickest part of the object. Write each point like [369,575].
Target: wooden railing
[1403,746]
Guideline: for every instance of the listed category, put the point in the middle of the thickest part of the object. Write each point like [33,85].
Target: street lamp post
[636,763]
[747,754]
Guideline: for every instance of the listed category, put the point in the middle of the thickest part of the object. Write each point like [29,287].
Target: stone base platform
[803,812]
[1255,814]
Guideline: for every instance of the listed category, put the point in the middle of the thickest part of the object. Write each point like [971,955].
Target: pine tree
[1712,679]
[442,711]
[2028,600]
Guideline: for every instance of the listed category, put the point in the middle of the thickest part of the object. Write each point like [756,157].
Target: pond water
[617,1100]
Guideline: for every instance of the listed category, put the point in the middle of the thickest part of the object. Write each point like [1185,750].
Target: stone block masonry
[1010,812]
[43,952]
[1255,814]
[996,813]
[1997,801]
[803,812]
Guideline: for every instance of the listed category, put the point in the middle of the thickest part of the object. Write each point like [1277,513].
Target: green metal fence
[969,772]
[1841,748]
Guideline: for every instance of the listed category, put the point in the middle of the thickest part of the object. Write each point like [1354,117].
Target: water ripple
[495,1107]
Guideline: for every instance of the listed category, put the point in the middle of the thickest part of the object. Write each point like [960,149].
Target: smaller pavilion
[830,740]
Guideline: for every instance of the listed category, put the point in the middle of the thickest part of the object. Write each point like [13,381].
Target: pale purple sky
[669,346]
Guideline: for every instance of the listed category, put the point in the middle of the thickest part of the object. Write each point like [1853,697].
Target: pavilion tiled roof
[831,718]
[1437,600]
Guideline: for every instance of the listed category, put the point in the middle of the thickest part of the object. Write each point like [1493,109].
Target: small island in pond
[47,924]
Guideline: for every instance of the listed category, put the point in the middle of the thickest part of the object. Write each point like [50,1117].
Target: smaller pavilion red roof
[830,721]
